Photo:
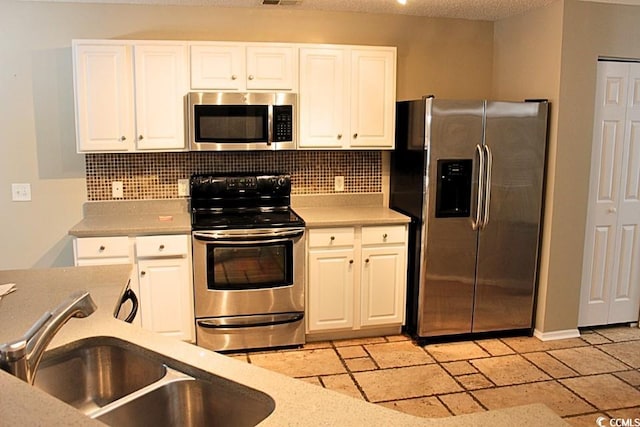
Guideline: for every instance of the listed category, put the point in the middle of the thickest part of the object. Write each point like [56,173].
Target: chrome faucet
[22,356]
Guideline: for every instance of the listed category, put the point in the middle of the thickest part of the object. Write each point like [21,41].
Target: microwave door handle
[269,125]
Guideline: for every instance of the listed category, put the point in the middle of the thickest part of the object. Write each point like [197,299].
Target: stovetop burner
[242,201]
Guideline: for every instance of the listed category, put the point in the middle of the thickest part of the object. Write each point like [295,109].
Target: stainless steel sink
[122,384]
[192,403]
[90,374]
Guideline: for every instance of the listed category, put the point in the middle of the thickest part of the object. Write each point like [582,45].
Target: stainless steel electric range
[248,261]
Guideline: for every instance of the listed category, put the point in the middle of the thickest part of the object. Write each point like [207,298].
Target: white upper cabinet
[104,97]
[129,96]
[160,87]
[347,97]
[242,67]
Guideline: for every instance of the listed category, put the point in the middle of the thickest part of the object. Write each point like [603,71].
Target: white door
[161,84]
[611,269]
[104,98]
[373,98]
[330,289]
[164,299]
[382,287]
[323,98]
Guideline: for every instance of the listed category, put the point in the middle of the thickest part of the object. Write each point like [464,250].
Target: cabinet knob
[142,273]
[250,76]
[123,138]
[613,210]
[350,261]
[102,248]
[332,238]
[339,136]
[366,260]
[161,247]
[140,137]
[384,236]
[355,135]
[234,77]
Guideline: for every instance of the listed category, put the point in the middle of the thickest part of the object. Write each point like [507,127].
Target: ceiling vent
[282,2]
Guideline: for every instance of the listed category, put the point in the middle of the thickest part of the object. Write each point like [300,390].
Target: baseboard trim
[556,335]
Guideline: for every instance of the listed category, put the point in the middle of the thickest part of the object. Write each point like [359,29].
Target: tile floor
[581,379]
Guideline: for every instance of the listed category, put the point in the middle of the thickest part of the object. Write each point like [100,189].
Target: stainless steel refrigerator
[470,174]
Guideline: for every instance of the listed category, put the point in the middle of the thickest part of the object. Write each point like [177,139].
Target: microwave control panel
[282,123]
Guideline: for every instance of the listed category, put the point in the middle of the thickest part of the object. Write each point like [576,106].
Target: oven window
[254,266]
[231,123]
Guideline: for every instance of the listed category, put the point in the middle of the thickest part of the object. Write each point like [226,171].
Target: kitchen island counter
[297,402]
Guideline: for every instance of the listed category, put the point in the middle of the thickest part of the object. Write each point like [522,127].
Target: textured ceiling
[490,10]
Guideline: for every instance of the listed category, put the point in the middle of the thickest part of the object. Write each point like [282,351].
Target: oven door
[248,272]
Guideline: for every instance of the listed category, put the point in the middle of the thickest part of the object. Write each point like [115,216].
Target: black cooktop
[242,201]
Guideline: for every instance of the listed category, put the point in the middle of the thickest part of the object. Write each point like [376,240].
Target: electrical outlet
[117,189]
[21,192]
[183,188]
[338,183]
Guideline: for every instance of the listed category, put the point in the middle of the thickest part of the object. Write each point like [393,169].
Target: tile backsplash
[156,175]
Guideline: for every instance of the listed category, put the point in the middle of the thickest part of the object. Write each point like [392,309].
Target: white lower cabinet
[162,277]
[356,279]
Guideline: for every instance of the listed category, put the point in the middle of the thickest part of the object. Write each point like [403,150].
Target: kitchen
[451,58]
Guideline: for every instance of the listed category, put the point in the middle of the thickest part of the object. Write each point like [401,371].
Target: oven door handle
[253,321]
[245,236]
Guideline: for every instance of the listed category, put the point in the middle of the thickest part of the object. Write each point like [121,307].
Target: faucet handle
[17,349]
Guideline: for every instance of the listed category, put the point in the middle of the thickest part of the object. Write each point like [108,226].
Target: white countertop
[297,403]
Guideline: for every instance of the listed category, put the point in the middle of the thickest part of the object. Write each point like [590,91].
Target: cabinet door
[104,97]
[217,67]
[383,279]
[270,68]
[323,98]
[330,289]
[373,98]
[165,297]
[161,84]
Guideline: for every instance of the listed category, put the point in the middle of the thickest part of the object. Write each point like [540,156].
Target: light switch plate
[21,192]
[338,183]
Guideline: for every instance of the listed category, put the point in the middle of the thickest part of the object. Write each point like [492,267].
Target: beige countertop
[348,216]
[297,403]
[147,217]
[133,218]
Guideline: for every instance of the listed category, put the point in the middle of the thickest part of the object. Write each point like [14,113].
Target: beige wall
[527,55]
[451,58]
[553,51]
[589,30]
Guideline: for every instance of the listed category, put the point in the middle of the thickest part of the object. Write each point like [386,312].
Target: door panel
[515,134]
[614,202]
[449,255]
[330,289]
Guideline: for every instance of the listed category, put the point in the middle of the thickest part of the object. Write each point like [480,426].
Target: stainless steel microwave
[234,121]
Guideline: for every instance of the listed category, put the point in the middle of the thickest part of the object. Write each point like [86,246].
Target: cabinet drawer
[328,237]
[158,246]
[383,234]
[102,247]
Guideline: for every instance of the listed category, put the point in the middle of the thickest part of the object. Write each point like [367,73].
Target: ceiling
[490,10]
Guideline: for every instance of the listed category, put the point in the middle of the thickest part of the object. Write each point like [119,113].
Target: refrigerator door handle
[487,184]
[477,222]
